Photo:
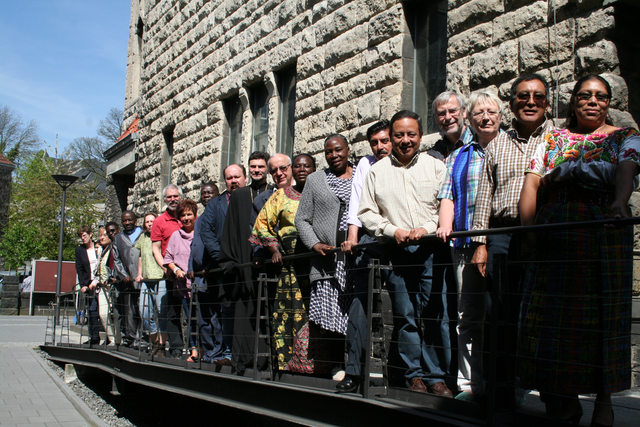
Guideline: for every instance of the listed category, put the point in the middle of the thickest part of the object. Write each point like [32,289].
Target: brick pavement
[30,393]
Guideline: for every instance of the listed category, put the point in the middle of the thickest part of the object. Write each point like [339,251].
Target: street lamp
[65,182]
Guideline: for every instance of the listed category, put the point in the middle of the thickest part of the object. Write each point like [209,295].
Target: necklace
[257,191]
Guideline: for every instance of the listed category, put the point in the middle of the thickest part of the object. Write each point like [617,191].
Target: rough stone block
[452,4]
[473,40]
[346,116]
[386,25]
[348,68]
[384,75]
[308,87]
[472,13]
[600,57]
[369,107]
[569,8]
[387,51]
[337,94]
[539,49]
[308,106]
[391,97]
[347,45]
[595,26]
[519,22]
[458,76]
[622,118]
[311,63]
[493,65]
[619,91]
[357,86]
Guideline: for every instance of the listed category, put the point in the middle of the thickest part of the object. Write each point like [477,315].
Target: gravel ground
[100,406]
[145,407]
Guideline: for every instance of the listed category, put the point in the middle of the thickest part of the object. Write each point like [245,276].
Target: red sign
[45,276]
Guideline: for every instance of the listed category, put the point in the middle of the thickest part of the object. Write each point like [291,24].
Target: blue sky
[63,63]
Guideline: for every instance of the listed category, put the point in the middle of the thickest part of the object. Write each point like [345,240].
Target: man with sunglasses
[507,156]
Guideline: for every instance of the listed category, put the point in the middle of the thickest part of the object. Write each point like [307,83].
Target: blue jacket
[205,246]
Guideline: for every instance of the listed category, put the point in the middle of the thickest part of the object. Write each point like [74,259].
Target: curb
[83,409]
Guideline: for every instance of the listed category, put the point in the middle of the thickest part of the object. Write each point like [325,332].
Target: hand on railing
[443,233]
[321,248]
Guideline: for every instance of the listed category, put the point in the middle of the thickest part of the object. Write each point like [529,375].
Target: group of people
[568,306]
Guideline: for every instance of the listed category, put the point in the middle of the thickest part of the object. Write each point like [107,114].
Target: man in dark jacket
[214,311]
[85,257]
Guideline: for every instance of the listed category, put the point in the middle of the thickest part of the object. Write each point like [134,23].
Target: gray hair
[483,96]
[444,97]
[171,187]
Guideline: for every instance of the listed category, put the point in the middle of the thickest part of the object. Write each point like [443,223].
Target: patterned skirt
[330,300]
[575,319]
[290,313]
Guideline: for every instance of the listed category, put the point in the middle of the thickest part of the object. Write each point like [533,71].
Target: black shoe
[92,341]
[106,342]
[349,384]
[176,353]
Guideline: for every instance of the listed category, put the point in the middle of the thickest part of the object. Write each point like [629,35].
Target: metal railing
[381,360]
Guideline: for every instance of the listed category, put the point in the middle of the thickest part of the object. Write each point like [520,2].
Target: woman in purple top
[176,259]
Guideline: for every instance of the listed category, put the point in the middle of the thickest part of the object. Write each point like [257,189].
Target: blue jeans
[419,302]
[151,293]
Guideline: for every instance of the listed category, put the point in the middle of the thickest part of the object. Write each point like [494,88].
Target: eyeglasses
[452,112]
[280,168]
[586,96]
[177,196]
[481,114]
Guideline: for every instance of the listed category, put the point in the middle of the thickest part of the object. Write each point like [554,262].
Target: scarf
[460,180]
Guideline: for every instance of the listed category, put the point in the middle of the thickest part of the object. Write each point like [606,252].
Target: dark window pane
[287,111]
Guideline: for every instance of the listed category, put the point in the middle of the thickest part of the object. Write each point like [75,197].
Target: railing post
[499,275]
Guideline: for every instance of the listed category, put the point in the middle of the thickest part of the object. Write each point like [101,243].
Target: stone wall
[491,42]
[353,60]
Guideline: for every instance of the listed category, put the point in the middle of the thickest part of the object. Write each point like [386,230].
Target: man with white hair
[450,113]
[163,227]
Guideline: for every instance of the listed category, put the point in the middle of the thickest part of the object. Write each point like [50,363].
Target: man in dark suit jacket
[85,276]
[214,311]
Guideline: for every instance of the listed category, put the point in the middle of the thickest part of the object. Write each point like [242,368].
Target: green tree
[36,199]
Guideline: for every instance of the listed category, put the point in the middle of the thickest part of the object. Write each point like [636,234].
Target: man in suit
[125,260]
[214,310]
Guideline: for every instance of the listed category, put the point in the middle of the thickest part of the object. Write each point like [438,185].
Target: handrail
[616,223]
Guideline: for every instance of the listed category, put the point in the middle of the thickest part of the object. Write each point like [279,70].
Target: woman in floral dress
[275,228]
[575,317]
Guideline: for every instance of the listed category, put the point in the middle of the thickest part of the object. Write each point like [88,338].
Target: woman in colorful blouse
[575,318]
[176,260]
[275,228]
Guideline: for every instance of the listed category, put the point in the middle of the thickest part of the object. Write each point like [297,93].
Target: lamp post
[65,182]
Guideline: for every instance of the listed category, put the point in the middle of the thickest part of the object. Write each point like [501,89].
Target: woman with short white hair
[457,204]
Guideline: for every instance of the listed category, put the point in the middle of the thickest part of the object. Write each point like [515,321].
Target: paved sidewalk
[31,394]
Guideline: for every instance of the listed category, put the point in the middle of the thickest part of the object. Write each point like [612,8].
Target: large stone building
[209,81]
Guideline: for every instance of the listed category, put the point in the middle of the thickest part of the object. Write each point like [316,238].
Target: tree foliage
[33,230]
[17,138]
